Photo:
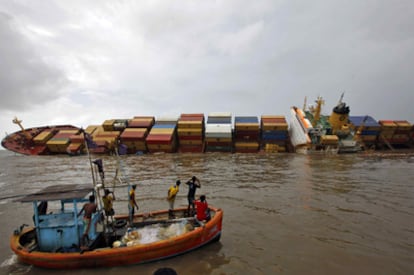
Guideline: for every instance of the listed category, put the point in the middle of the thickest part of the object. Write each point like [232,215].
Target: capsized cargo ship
[188,133]
[306,131]
[43,140]
[310,131]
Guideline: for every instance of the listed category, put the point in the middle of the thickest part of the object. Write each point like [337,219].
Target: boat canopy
[59,192]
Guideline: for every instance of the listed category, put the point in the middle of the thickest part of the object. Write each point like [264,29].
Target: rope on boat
[85,138]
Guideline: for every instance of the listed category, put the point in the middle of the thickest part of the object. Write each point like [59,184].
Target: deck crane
[19,122]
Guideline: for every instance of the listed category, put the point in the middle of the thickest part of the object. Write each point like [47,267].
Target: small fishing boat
[55,239]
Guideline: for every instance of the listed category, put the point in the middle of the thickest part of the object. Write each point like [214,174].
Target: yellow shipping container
[403,125]
[108,125]
[271,148]
[329,140]
[167,147]
[387,125]
[135,130]
[69,132]
[273,117]
[162,131]
[246,145]
[91,129]
[43,137]
[58,145]
[241,126]
[274,148]
[190,124]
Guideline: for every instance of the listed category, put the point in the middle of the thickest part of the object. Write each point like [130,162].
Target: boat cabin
[62,229]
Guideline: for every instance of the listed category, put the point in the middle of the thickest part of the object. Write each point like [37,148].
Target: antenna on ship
[304,104]
[342,97]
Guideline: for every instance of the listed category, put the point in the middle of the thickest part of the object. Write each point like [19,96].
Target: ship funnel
[340,116]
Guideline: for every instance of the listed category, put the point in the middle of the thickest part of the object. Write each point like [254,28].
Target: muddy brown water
[283,213]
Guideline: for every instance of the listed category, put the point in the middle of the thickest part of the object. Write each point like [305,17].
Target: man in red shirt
[203,213]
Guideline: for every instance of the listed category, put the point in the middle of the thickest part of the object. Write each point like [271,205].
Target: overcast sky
[82,62]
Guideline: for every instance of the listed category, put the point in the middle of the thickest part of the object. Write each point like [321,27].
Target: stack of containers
[274,133]
[134,139]
[77,144]
[134,136]
[370,128]
[43,137]
[246,134]
[218,136]
[105,137]
[59,142]
[93,131]
[163,136]
[388,128]
[190,131]
[402,133]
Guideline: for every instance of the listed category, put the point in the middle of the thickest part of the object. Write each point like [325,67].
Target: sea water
[283,213]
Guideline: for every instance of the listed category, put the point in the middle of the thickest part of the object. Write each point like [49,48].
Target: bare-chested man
[88,208]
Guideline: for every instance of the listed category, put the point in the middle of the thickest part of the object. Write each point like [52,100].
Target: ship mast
[318,109]
[19,122]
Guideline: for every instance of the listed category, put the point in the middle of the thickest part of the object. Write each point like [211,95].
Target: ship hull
[23,142]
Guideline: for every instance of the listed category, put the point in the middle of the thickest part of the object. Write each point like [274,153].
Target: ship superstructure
[310,131]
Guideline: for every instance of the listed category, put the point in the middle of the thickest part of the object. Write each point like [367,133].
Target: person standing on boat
[88,209]
[41,210]
[108,199]
[132,204]
[193,184]
[172,193]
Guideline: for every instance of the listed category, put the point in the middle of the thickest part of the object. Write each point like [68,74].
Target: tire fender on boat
[120,223]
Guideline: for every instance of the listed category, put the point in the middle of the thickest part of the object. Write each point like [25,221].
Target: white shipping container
[218,131]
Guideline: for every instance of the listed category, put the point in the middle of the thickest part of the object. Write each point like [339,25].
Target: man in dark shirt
[193,184]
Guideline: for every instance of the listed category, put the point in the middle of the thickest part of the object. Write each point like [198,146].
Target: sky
[82,62]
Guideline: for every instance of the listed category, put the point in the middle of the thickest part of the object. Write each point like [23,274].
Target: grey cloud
[25,78]
[257,57]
